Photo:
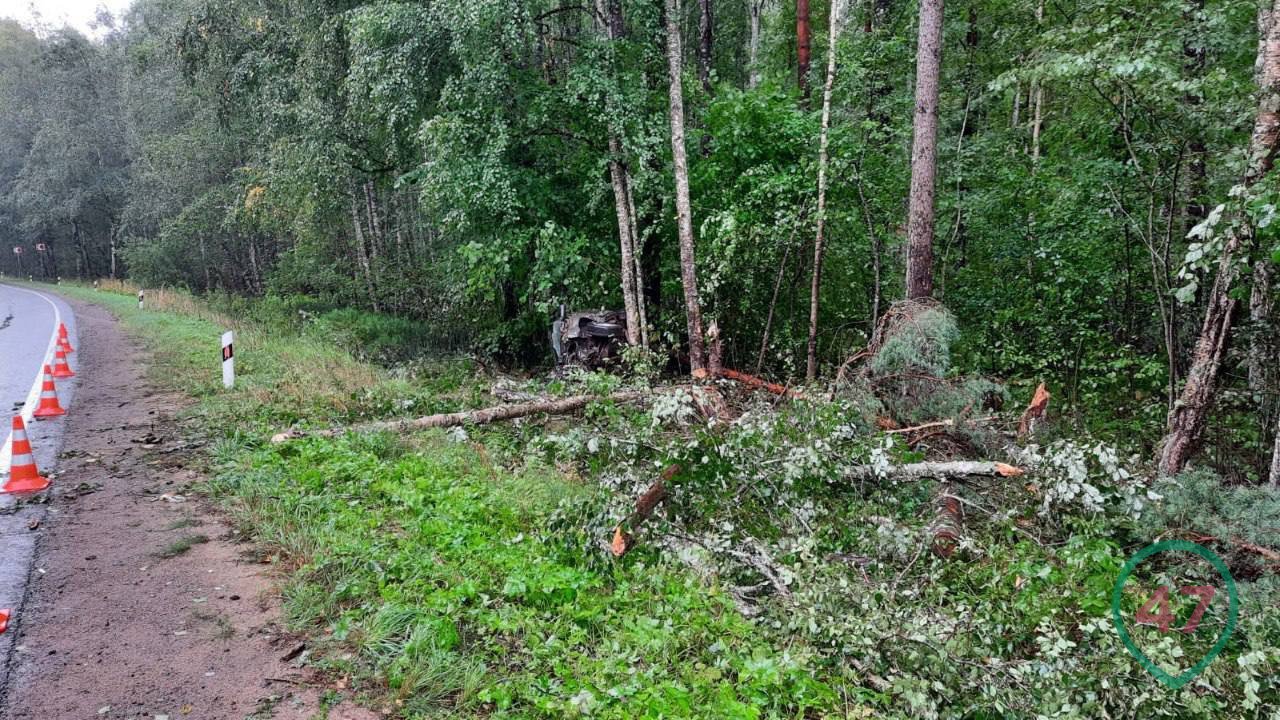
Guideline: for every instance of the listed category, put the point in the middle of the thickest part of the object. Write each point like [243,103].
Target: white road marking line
[29,407]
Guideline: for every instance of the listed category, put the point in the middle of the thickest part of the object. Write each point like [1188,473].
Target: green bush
[383,339]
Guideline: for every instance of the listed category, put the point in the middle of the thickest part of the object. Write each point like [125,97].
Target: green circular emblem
[1221,567]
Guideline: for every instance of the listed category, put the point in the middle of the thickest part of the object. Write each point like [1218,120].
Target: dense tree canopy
[457,163]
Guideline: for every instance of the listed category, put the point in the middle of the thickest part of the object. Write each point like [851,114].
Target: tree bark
[630,291]
[924,153]
[961,468]
[811,364]
[755,9]
[1037,99]
[632,301]
[470,417]
[803,45]
[684,213]
[705,30]
[1188,415]
[361,257]
[1275,457]
[1260,318]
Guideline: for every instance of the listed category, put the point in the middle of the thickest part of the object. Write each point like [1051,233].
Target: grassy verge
[438,582]
[435,581]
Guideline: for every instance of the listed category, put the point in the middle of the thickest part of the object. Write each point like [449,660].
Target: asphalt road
[28,333]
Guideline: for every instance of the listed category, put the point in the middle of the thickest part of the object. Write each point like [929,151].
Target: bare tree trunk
[361,255]
[803,44]
[684,213]
[1017,106]
[1275,457]
[375,230]
[632,301]
[705,30]
[1259,318]
[755,8]
[629,288]
[811,364]
[924,153]
[1038,100]
[1187,417]
[637,251]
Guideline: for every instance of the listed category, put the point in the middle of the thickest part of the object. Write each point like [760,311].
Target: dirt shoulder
[114,629]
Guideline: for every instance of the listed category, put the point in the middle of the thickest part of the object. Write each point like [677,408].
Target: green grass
[459,600]
[436,581]
[439,576]
[181,546]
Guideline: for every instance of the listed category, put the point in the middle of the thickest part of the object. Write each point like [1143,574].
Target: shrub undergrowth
[461,574]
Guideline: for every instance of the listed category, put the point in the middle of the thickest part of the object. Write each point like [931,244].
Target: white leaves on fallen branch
[940,470]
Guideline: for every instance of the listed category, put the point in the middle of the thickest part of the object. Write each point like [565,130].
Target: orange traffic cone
[60,367]
[23,475]
[62,339]
[49,406]
[4,620]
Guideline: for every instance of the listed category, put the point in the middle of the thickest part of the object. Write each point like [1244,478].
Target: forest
[1080,185]
[900,221]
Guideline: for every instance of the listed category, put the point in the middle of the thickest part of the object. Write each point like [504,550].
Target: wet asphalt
[29,320]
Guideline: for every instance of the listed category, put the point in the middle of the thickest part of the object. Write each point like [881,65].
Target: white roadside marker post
[228,361]
[140,296]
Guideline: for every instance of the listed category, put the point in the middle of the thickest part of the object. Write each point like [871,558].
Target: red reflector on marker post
[228,360]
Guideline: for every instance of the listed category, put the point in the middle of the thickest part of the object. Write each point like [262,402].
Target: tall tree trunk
[803,45]
[631,299]
[755,8]
[811,364]
[361,256]
[1260,319]
[705,29]
[924,153]
[1275,457]
[684,213]
[1037,100]
[1187,417]
[630,289]
[637,251]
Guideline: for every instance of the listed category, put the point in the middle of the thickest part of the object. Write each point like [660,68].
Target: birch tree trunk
[629,286]
[705,30]
[1037,99]
[684,213]
[755,8]
[1260,317]
[1275,457]
[361,256]
[632,301]
[811,365]
[1187,416]
[924,153]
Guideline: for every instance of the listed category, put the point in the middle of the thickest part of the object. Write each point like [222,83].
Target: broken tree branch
[750,380]
[1034,412]
[947,523]
[1268,553]
[472,417]
[623,539]
[959,468]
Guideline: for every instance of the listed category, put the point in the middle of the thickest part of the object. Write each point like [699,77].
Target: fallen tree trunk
[960,468]
[623,540]
[750,380]
[947,523]
[471,417]
[1268,553]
